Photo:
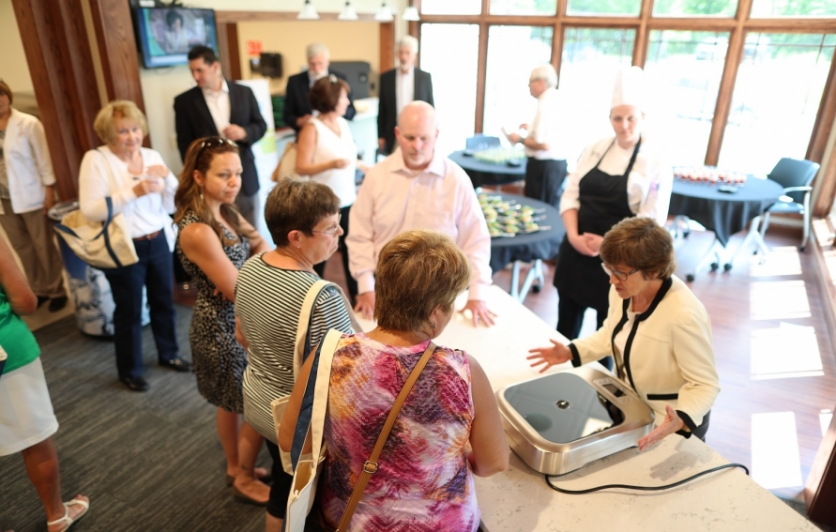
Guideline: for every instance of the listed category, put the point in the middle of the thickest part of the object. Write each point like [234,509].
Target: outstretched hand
[671,424]
[549,356]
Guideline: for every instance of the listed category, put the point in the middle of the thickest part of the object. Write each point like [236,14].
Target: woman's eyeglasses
[331,230]
[621,276]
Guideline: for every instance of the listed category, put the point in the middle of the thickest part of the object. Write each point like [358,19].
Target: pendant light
[308,12]
[384,14]
[410,14]
[348,12]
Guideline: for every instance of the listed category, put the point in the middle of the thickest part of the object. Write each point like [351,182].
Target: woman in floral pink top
[425,473]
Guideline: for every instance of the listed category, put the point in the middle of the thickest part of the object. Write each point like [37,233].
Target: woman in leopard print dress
[213,243]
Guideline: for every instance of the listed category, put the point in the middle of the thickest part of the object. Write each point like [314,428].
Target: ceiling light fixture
[308,12]
[410,14]
[384,14]
[348,12]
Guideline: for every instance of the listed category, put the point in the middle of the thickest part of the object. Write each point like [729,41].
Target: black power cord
[644,488]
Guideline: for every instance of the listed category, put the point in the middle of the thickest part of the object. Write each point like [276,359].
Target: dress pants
[248,207]
[350,282]
[570,319]
[544,179]
[31,236]
[154,271]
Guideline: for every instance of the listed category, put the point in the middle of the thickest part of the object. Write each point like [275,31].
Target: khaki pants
[31,236]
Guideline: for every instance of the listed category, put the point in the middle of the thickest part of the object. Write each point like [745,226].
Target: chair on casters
[795,176]
[479,142]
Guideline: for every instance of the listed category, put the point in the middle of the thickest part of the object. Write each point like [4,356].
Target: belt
[149,236]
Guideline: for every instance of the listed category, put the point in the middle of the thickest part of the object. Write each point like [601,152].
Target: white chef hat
[629,88]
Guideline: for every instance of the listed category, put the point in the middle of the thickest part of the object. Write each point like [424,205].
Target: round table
[531,247]
[724,213]
[488,174]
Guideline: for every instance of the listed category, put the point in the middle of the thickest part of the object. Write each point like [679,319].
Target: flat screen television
[166,34]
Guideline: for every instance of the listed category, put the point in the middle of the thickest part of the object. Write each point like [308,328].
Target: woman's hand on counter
[549,356]
[671,424]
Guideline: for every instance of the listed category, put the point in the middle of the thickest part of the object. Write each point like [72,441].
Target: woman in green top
[27,422]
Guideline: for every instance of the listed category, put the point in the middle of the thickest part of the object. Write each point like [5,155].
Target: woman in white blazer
[27,192]
[657,331]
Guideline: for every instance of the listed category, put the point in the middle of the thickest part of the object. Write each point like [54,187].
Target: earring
[201,194]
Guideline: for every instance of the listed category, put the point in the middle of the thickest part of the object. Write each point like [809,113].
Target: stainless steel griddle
[560,422]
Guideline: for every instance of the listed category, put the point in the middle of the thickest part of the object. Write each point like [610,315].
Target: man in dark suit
[398,87]
[297,107]
[217,107]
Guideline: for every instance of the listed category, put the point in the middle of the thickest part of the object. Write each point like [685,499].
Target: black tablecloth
[721,212]
[528,247]
[488,174]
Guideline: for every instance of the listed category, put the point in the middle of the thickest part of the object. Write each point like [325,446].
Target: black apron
[604,203]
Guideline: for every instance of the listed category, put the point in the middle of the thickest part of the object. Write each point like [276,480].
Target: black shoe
[42,300]
[137,384]
[177,364]
[57,303]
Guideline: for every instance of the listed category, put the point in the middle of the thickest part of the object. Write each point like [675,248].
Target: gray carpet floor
[148,461]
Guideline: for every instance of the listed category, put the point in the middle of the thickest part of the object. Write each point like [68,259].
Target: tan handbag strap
[370,467]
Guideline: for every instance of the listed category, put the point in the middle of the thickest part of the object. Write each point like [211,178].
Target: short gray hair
[546,73]
[410,41]
[315,49]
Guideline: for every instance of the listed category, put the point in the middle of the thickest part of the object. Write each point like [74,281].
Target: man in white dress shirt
[415,188]
[546,166]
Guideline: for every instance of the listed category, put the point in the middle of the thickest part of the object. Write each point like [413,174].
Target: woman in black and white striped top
[303,219]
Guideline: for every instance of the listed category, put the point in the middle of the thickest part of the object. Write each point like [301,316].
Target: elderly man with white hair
[417,188]
[546,167]
[297,107]
[398,87]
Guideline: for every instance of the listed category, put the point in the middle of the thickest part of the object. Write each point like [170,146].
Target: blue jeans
[154,271]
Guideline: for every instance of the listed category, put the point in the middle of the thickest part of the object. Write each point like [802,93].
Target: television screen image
[166,35]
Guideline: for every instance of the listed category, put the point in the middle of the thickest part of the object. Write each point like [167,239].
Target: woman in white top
[656,329]
[326,153]
[27,192]
[141,188]
[615,178]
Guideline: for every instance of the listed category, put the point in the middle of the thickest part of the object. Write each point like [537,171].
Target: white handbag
[301,347]
[303,490]
[286,169]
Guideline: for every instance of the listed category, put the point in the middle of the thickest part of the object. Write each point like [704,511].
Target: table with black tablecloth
[488,174]
[724,213]
[530,247]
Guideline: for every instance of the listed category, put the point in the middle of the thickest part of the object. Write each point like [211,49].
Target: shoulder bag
[105,244]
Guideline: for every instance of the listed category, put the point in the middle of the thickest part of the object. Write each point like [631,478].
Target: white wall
[13,67]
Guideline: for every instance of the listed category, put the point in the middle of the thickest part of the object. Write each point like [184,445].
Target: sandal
[261,474]
[67,519]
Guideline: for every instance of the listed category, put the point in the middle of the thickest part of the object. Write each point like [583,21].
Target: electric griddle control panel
[616,389]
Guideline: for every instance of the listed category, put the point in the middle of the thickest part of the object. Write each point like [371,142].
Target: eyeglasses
[213,142]
[331,230]
[621,276]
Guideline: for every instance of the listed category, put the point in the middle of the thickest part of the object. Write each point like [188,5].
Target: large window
[512,52]
[450,52]
[684,69]
[591,58]
[724,90]
[772,114]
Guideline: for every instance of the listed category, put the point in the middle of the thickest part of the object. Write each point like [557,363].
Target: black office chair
[795,176]
[479,142]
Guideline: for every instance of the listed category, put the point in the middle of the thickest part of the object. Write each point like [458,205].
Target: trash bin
[89,288]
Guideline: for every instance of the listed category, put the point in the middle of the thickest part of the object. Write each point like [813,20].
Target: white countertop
[519,500]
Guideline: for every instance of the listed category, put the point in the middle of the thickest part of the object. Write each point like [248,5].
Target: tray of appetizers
[507,218]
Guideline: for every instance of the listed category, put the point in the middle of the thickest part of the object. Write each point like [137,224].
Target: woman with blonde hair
[449,427]
[213,243]
[141,188]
